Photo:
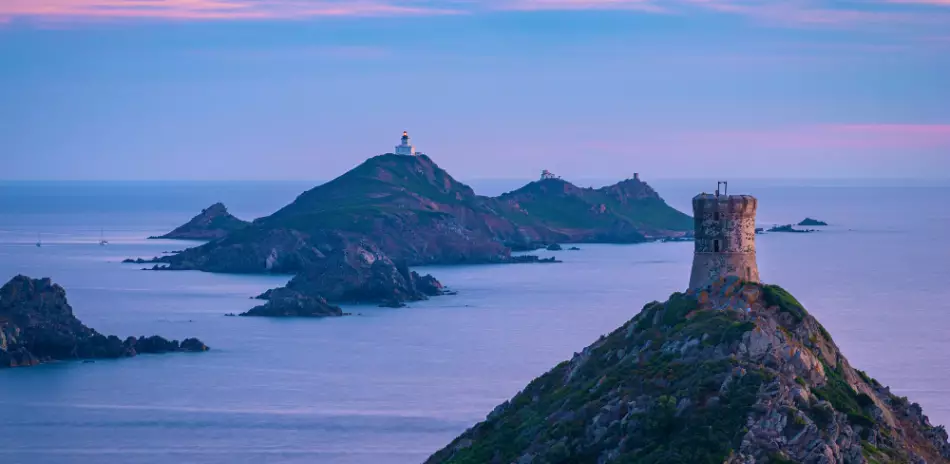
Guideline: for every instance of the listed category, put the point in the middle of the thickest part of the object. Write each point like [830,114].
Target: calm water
[394,385]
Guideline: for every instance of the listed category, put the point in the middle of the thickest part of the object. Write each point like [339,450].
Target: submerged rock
[37,325]
[738,373]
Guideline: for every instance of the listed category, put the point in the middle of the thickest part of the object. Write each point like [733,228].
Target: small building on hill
[405,147]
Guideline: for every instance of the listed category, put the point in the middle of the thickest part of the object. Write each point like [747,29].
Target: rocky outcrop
[285,302]
[213,223]
[812,222]
[788,228]
[363,274]
[346,273]
[37,325]
[737,373]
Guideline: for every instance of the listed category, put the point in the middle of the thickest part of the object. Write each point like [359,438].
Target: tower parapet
[724,238]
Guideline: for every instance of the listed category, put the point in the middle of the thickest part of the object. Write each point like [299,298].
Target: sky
[306,89]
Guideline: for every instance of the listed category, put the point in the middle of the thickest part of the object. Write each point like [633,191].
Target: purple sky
[305,89]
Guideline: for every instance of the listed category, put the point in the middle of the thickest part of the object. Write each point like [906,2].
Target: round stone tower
[725,238]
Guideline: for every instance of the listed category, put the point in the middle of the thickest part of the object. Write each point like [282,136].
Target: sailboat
[102,240]
[39,242]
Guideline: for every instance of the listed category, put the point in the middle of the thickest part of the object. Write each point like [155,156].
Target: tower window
[748,273]
[716,215]
[716,246]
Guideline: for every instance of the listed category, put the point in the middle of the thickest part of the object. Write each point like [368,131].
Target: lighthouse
[725,238]
[405,147]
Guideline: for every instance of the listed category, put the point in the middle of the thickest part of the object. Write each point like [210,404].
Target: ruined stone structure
[725,238]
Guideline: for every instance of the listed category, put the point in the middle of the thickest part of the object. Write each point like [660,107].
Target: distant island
[351,240]
[791,229]
[812,222]
[736,373]
[37,325]
[212,223]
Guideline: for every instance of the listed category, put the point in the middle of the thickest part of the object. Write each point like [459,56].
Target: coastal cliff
[738,373]
[37,325]
[212,223]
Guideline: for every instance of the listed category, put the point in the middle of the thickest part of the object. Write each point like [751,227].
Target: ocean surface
[394,385]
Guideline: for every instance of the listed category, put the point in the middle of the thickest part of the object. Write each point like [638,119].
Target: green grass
[778,296]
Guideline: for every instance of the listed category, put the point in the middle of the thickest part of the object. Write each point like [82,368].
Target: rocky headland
[212,223]
[739,373]
[352,239]
[37,325]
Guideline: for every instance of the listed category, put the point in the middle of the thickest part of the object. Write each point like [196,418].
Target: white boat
[102,240]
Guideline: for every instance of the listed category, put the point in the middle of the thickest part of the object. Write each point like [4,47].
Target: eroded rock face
[737,373]
[37,325]
[363,274]
[212,223]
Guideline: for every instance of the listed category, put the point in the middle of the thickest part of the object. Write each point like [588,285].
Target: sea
[391,386]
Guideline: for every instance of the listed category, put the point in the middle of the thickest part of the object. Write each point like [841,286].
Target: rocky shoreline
[37,326]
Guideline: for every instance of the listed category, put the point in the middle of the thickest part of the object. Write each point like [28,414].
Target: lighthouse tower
[725,238]
[405,148]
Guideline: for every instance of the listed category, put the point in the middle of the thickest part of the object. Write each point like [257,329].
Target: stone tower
[725,238]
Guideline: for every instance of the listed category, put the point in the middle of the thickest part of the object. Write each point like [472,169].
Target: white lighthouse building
[405,148]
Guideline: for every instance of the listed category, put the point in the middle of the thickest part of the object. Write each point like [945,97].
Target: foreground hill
[739,373]
[37,325]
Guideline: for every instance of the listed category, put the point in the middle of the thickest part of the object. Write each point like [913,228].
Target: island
[736,373]
[790,229]
[37,325]
[353,239]
[812,222]
[212,223]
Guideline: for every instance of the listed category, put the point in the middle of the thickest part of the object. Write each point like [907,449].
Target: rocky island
[353,239]
[790,229]
[737,373]
[812,222]
[37,325]
[212,223]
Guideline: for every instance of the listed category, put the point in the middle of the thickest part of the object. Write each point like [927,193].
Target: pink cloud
[922,2]
[210,9]
[540,5]
[842,137]
[782,12]
[810,141]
